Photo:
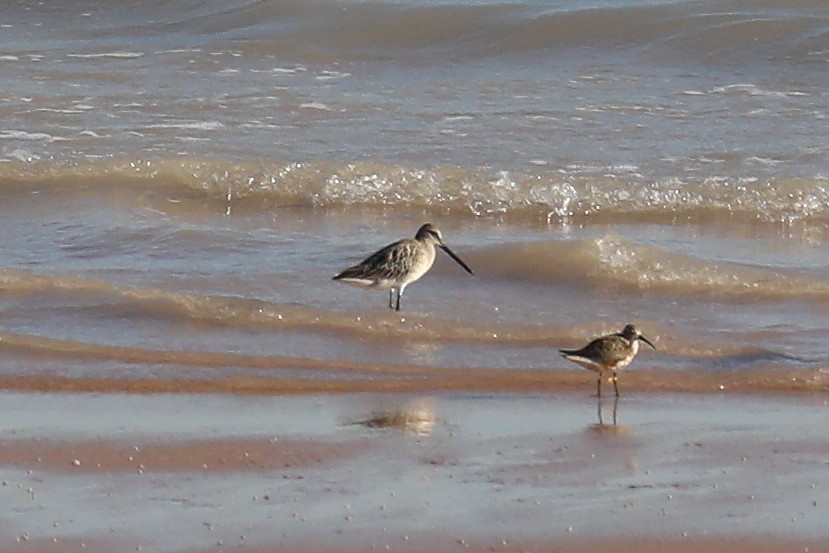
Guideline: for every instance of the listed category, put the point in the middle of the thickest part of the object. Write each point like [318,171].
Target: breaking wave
[562,196]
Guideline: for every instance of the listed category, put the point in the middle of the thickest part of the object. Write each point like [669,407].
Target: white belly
[420,267]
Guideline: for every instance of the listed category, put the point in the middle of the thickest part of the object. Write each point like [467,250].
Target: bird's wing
[611,348]
[388,263]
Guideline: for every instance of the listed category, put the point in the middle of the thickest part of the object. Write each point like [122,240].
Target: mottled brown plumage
[399,264]
[608,353]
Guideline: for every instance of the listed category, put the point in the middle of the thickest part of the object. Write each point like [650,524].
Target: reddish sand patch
[246,454]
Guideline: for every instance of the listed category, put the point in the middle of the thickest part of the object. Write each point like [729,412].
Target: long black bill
[646,341]
[457,259]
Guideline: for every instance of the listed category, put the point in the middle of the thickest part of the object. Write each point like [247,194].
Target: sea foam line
[119,55]
[23,135]
[196,125]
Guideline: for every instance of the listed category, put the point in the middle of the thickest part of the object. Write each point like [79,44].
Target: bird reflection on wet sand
[615,407]
[417,417]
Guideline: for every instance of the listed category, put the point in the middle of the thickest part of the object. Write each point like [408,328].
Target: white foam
[118,55]
[753,90]
[316,105]
[23,135]
[452,118]
[331,75]
[23,155]
[180,51]
[281,70]
[624,168]
[56,110]
[9,58]
[195,125]
[260,125]
[763,160]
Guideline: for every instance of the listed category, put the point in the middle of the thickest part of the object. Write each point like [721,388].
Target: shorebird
[608,353]
[399,264]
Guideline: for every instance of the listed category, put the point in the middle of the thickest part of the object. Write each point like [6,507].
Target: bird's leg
[615,404]
[599,387]
[615,385]
[599,407]
[391,298]
[399,295]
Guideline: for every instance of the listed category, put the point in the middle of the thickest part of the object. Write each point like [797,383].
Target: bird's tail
[351,272]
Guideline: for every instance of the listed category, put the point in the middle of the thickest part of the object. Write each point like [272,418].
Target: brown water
[180,181]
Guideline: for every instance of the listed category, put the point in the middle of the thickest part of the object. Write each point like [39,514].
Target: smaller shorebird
[399,264]
[608,353]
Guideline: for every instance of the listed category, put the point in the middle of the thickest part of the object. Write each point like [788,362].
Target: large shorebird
[399,264]
[608,354]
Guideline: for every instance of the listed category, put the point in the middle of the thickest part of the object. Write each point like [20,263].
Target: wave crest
[563,196]
[611,262]
[706,31]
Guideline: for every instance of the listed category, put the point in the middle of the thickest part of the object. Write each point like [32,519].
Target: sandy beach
[180,181]
[360,472]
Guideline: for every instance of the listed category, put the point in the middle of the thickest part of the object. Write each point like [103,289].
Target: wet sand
[447,472]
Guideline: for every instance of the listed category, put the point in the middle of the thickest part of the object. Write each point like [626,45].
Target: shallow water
[180,182]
